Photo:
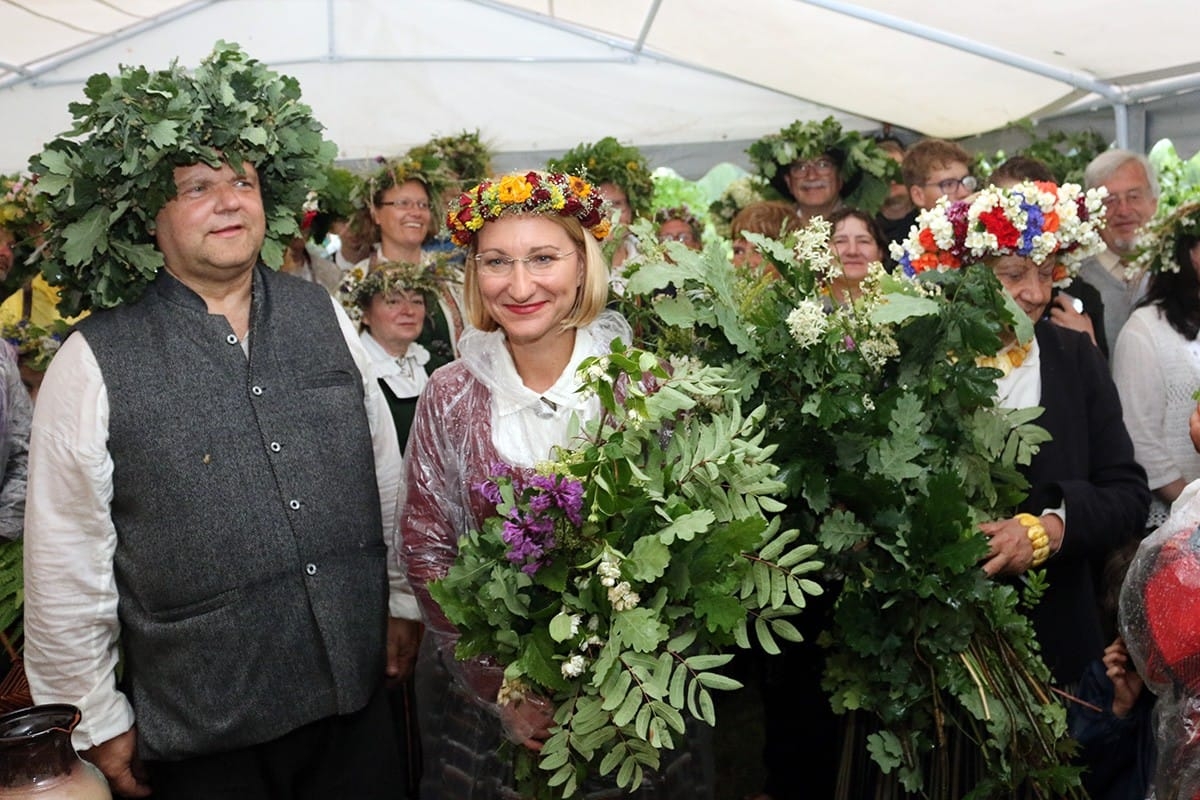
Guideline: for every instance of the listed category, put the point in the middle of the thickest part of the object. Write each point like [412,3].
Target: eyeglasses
[499,265]
[405,205]
[950,185]
[1131,198]
[818,165]
[685,237]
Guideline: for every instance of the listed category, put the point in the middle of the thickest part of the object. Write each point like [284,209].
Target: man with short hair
[935,168]
[213,473]
[1132,200]
[898,213]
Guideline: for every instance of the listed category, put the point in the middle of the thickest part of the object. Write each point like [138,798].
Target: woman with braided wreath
[535,290]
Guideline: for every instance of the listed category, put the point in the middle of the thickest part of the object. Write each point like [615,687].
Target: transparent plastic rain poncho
[474,414]
[1160,620]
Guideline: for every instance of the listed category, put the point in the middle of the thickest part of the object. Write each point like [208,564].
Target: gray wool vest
[250,562]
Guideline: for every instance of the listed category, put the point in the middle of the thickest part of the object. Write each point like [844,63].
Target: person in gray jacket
[213,473]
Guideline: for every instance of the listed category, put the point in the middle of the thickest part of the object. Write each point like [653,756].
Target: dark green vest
[250,562]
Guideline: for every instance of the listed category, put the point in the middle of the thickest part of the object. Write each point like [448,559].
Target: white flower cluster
[879,348]
[511,691]
[812,245]
[620,593]
[599,369]
[807,323]
[573,666]
[623,598]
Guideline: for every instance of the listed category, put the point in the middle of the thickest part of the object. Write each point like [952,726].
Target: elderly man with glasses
[1131,203]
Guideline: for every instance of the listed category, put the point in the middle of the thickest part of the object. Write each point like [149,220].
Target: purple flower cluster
[541,501]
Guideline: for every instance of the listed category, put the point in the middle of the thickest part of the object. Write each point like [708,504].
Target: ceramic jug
[38,761]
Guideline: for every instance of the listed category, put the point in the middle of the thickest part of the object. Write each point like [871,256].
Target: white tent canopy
[544,75]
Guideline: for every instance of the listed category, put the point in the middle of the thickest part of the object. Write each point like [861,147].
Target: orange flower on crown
[579,186]
[514,189]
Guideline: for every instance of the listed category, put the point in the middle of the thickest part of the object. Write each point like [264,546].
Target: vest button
[294,505]
[256,390]
[275,447]
[311,569]
[231,338]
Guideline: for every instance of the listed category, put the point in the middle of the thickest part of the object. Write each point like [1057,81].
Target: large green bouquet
[617,578]
[893,451]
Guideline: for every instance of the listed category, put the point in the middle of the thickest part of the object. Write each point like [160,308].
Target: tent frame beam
[1117,98]
[26,75]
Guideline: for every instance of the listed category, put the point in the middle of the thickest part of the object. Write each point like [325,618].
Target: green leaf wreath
[618,579]
[893,451]
[106,179]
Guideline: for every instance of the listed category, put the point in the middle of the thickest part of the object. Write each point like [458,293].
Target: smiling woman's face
[529,304]
[403,216]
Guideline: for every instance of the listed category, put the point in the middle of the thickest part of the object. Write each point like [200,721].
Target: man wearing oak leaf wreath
[212,472]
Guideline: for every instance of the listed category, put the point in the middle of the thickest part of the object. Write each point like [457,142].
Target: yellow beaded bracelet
[1038,537]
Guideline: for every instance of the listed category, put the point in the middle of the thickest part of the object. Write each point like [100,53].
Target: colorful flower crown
[1036,220]
[529,193]
[1156,250]
[609,161]
[359,286]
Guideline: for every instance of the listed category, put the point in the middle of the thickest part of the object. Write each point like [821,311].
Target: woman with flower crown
[1087,495]
[535,290]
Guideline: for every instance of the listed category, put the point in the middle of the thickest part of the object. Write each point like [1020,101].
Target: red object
[1172,603]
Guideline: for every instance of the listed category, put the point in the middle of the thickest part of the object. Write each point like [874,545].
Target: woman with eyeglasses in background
[401,203]
[679,224]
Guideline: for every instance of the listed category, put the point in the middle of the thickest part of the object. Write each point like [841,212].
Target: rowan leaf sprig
[618,579]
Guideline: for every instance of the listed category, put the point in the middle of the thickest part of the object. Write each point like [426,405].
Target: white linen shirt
[71,621]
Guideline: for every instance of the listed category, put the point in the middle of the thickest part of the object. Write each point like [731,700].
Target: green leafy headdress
[107,178]
[465,157]
[421,166]
[608,161]
[865,168]
[360,285]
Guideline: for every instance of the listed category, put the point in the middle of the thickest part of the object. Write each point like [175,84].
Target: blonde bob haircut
[590,299]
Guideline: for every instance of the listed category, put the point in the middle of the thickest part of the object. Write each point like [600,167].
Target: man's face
[213,229]
[6,253]
[1129,204]
[951,180]
[815,183]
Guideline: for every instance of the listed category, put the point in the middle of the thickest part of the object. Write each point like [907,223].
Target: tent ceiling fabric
[533,75]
